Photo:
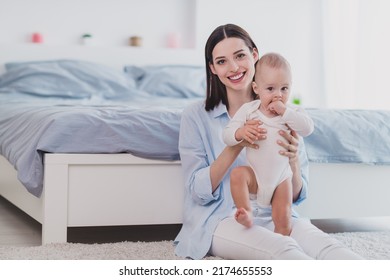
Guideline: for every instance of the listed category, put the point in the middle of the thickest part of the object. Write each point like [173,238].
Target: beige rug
[371,245]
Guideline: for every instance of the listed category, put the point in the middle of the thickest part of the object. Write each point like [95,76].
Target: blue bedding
[68,106]
[343,136]
[146,128]
[97,110]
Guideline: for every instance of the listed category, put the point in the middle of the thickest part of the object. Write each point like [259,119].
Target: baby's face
[272,84]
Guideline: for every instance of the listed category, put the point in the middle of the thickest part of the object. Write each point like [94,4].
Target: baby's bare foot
[244,217]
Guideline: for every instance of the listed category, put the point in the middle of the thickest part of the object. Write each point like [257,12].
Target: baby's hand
[251,132]
[277,107]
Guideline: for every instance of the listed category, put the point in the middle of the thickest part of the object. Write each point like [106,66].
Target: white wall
[356,53]
[292,28]
[112,22]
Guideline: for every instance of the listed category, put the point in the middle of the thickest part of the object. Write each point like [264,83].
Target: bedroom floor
[18,229]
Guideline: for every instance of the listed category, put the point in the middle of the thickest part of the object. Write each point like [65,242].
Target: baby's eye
[270,88]
[285,88]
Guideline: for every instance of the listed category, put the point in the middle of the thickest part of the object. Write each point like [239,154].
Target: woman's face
[233,63]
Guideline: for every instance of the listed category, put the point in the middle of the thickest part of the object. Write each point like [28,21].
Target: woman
[208,225]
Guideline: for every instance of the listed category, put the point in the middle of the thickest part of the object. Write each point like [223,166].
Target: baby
[272,84]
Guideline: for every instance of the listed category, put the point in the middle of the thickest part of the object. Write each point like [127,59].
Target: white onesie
[269,166]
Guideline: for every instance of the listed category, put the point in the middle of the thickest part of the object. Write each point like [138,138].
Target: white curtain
[357,53]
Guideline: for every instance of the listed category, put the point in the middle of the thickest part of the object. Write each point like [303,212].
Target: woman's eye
[220,62]
[241,55]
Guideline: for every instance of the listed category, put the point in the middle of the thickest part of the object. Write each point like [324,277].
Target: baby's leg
[243,182]
[281,207]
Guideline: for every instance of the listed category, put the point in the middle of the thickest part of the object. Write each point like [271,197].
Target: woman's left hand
[291,146]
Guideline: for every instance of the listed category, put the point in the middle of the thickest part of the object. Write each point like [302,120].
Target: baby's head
[272,78]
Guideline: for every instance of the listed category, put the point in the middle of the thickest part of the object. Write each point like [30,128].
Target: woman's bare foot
[244,217]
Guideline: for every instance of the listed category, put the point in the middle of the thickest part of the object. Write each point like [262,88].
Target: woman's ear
[211,66]
[255,54]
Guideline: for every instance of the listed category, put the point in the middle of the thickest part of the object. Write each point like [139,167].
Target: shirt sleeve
[194,160]
[238,120]
[304,162]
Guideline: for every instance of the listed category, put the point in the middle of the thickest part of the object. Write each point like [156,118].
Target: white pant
[231,240]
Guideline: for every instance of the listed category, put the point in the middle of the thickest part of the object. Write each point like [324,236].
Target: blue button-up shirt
[200,143]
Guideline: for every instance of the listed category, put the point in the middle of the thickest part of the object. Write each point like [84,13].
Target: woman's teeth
[236,77]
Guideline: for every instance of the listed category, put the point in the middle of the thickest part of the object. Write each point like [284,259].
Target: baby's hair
[273,60]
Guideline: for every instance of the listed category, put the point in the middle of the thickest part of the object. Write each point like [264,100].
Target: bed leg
[55,204]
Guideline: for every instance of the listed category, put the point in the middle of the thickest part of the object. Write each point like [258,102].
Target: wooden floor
[18,229]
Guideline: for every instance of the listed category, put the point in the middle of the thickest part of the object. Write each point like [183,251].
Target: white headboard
[115,57]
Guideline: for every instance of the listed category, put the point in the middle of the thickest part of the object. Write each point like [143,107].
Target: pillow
[66,78]
[183,81]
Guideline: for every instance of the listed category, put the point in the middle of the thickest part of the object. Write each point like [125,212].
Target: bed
[72,169]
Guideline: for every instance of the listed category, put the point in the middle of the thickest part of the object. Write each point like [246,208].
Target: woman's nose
[234,67]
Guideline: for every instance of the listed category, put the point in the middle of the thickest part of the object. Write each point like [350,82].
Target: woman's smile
[237,77]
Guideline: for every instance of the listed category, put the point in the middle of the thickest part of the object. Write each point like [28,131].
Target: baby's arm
[240,129]
[229,132]
[297,119]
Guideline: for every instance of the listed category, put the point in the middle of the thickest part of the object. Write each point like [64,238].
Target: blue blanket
[146,128]
[343,136]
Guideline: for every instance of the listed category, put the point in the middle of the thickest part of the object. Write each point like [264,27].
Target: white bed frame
[98,190]
[119,189]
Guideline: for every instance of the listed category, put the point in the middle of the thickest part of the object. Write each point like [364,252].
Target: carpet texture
[370,245]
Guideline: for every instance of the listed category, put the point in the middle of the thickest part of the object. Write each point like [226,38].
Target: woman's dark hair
[216,90]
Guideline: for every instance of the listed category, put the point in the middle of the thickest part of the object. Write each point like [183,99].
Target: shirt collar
[219,110]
